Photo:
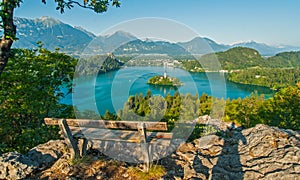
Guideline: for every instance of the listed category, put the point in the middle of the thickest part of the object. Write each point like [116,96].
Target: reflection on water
[164,90]
[259,89]
[111,90]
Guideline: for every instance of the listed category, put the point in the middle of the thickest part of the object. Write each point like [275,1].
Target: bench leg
[72,145]
[82,144]
[144,146]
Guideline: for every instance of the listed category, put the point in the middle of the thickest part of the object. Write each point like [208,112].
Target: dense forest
[192,65]
[239,58]
[273,78]
[244,58]
[97,64]
[285,60]
[281,110]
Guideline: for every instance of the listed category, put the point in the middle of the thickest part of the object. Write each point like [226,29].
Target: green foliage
[143,108]
[171,109]
[284,108]
[205,104]
[201,130]
[273,78]
[81,160]
[98,6]
[245,111]
[189,108]
[109,116]
[29,91]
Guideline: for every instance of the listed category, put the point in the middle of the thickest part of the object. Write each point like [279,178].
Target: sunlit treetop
[98,6]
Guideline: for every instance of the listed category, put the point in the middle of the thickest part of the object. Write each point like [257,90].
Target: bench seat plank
[116,135]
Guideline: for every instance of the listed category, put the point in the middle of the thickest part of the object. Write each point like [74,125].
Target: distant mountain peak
[263,48]
[84,30]
[54,33]
[120,33]
[248,42]
[48,21]
[200,45]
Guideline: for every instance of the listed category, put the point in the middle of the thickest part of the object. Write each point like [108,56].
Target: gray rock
[14,165]
[46,154]
[261,152]
[208,142]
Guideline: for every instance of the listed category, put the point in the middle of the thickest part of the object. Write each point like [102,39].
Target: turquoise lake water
[111,90]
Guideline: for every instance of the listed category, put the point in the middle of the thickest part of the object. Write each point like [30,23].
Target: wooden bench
[141,133]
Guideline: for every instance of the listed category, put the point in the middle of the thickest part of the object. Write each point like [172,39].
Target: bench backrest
[110,124]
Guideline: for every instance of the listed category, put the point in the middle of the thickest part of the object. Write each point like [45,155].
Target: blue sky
[273,22]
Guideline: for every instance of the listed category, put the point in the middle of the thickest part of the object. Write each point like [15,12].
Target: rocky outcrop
[261,152]
[14,165]
[46,154]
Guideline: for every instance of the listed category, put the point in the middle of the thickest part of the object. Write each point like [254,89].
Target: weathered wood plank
[159,135]
[74,151]
[82,146]
[144,146]
[152,126]
[120,135]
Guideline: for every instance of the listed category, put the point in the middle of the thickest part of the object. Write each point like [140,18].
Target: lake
[109,91]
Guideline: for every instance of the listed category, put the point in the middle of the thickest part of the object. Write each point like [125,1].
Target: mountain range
[56,34]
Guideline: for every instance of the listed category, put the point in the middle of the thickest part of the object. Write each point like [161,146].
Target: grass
[155,172]
[81,160]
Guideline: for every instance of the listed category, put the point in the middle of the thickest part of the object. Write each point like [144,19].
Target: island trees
[10,30]
[164,81]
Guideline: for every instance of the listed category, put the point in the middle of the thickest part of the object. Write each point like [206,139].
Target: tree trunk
[5,46]
[9,32]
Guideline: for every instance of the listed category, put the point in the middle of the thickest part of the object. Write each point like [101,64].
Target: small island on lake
[164,81]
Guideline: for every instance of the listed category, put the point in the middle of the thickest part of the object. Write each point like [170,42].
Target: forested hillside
[244,58]
[268,77]
[235,58]
[98,64]
[285,60]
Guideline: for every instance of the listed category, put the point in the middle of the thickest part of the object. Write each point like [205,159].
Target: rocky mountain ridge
[56,34]
[52,33]
[261,152]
